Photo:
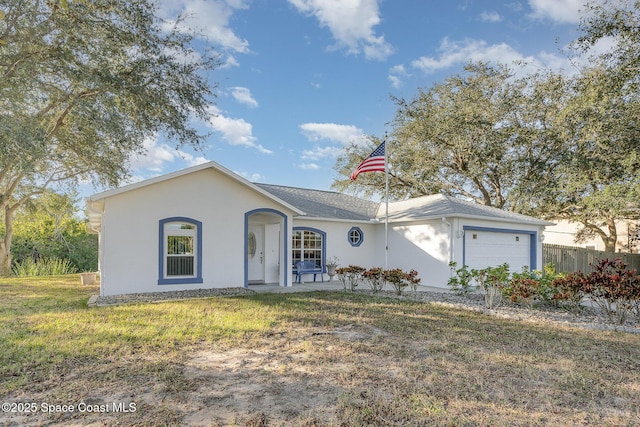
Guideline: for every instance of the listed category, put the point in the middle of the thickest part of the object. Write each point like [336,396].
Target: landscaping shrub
[491,281]
[613,288]
[460,282]
[350,276]
[529,287]
[522,288]
[400,280]
[413,279]
[375,278]
[44,267]
[546,289]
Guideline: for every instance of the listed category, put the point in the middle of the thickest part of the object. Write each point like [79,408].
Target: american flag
[375,162]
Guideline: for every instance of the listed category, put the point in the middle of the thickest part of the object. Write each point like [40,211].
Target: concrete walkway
[326,286]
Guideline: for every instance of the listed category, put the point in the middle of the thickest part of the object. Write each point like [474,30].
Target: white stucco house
[207,227]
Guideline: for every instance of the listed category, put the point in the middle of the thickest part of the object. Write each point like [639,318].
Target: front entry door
[255,253]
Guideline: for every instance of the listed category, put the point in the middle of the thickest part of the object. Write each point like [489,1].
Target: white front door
[255,253]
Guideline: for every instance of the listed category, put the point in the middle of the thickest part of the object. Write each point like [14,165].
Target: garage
[489,247]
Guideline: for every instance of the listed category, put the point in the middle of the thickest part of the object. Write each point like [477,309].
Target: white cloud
[332,133]
[229,61]
[490,17]
[156,156]
[252,177]
[458,53]
[243,96]
[396,75]
[236,131]
[344,134]
[321,153]
[209,18]
[191,159]
[351,23]
[309,166]
[454,53]
[561,11]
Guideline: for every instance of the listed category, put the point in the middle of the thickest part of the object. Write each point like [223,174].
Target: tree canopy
[48,227]
[482,135]
[552,145]
[82,85]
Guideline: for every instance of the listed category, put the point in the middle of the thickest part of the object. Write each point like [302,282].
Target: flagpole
[386,215]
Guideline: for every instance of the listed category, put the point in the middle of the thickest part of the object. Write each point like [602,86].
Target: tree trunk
[610,240]
[5,245]
[5,258]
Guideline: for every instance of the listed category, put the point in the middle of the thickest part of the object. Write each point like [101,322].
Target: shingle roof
[439,205]
[333,205]
[324,204]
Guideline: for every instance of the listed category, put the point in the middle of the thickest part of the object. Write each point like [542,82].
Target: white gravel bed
[101,301]
[588,318]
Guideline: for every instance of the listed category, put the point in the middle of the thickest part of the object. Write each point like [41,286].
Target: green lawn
[301,359]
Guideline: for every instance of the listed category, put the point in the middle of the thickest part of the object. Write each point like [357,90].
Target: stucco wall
[337,244]
[422,246]
[426,246]
[429,246]
[131,221]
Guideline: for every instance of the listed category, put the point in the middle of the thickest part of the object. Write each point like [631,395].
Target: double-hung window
[180,251]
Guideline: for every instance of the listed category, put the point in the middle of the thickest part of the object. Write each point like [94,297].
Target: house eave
[533,221]
[345,220]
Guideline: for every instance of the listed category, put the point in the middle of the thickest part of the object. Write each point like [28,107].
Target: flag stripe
[373,163]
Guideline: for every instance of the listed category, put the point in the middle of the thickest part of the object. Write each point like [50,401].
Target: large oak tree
[82,85]
[482,135]
[544,144]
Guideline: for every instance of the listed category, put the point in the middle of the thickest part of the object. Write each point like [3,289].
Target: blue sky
[300,79]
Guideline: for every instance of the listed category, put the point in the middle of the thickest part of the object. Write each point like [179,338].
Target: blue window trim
[285,236]
[161,242]
[533,238]
[360,240]
[324,243]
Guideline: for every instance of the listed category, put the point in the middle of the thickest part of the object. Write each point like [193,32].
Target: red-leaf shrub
[613,288]
[375,278]
[350,276]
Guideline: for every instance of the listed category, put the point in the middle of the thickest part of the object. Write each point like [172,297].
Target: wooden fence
[567,258]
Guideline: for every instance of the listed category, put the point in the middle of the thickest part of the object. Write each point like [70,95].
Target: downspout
[541,258]
[444,220]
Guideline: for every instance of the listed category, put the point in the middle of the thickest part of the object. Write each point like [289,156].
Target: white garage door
[491,248]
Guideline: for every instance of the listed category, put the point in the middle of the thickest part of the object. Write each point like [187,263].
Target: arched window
[180,251]
[308,244]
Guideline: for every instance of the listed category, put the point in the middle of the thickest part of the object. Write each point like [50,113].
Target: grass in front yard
[304,359]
